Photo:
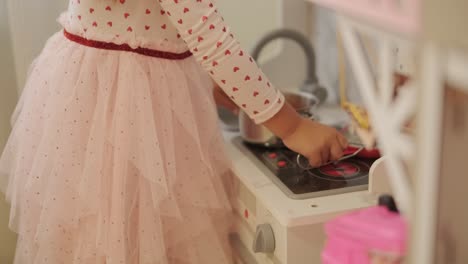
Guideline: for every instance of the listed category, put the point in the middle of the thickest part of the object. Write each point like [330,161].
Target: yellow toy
[359,118]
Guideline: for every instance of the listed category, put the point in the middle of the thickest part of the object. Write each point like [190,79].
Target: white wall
[27,27]
[282,62]
[8,97]
[32,22]
[325,41]
[246,22]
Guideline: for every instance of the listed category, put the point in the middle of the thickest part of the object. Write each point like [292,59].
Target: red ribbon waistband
[126,47]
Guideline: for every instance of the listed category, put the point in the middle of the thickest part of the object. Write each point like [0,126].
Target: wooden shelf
[432,20]
[401,18]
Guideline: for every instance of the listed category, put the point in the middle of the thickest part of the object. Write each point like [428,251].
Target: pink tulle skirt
[115,158]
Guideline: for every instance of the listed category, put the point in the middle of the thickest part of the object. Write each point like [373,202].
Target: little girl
[115,155]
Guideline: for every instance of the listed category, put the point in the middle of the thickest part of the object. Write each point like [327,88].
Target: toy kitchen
[281,208]
[282,205]
[402,141]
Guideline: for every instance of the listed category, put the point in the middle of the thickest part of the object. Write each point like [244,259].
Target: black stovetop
[280,165]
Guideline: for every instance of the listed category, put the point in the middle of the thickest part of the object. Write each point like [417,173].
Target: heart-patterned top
[175,26]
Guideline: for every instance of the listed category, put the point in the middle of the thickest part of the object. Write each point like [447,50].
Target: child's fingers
[325,153]
[336,151]
[315,159]
[342,140]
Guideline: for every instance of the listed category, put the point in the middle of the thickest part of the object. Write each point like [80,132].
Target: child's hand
[317,142]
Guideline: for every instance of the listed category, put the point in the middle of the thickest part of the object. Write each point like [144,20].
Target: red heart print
[228,52]
[148,11]
[255,94]
[147,27]
[267,102]
[130,29]
[190,31]
[108,8]
[163,12]
[244,105]
[260,78]
[247,78]
[235,89]
[79,17]
[211,5]
[205,57]
[195,49]
[176,1]
[109,23]
[122,1]
[180,21]
[212,27]
[126,15]
[200,39]
[94,24]
[241,53]
[223,81]
[186,10]
[215,63]
[163,26]
[204,18]
[224,29]
[219,44]
[236,69]
[91,10]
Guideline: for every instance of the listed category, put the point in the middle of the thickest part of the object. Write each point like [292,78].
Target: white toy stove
[280,209]
[280,165]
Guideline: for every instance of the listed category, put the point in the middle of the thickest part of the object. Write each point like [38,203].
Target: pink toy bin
[374,235]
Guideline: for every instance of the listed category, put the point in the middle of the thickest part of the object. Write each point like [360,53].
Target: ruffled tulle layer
[116,157]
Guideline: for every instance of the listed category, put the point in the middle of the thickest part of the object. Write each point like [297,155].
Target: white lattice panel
[401,16]
[439,63]
[457,69]
[388,114]
[440,68]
